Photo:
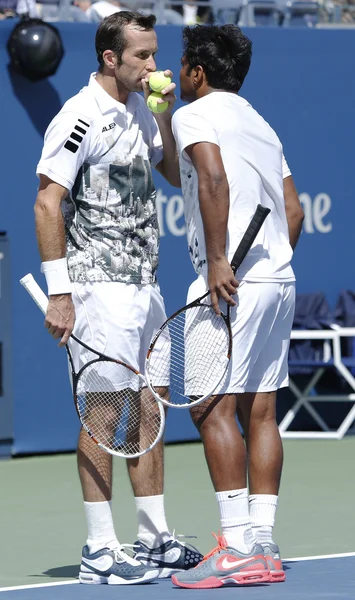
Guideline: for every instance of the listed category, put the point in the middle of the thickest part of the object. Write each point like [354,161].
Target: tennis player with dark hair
[231,160]
[98,237]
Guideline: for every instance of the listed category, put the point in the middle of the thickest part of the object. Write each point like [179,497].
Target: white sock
[152,526]
[101,531]
[235,520]
[262,508]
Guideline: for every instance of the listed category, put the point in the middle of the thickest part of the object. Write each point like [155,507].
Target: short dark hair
[223,51]
[110,33]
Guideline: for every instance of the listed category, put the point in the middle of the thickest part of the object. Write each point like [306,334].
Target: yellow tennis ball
[154,106]
[158,81]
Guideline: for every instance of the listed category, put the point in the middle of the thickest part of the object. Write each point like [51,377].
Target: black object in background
[35,49]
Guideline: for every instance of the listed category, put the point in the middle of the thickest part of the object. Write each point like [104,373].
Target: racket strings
[114,408]
[194,350]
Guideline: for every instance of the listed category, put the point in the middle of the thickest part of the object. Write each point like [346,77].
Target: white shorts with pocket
[118,320]
[261,328]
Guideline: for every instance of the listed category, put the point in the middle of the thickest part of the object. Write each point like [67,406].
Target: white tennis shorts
[119,320]
[261,329]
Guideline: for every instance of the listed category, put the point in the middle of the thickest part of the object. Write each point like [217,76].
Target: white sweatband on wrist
[57,276]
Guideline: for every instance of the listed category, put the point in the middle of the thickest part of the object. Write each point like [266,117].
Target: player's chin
[135,86]
[138,86]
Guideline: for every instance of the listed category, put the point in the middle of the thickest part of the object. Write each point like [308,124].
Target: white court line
[38,585]
[320,557]
[71,581]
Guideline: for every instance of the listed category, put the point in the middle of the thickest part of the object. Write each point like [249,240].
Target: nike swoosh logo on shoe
[170,556]
[102,563]
[229,564]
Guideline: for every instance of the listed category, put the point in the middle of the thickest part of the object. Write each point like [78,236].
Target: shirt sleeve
[191,128]
[285,168]
[66,147]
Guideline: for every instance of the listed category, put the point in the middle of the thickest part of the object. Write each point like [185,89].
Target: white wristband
[57,276]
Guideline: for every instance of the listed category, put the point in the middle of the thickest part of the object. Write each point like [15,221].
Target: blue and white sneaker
[171,557]
[114,567]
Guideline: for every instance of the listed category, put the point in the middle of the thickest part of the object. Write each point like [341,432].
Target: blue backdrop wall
[303,84]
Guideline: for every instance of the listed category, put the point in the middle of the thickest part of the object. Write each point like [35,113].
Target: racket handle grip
[249,236]
[35,292]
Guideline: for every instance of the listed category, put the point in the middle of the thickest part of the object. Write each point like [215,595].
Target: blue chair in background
[316,351]
[261,13]
[344,316]
[301,14]
[226,11]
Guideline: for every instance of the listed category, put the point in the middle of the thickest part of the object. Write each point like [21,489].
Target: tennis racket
[112,399]
[195,344]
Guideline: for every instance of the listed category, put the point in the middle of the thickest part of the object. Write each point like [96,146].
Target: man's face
[137,58]
[187,89]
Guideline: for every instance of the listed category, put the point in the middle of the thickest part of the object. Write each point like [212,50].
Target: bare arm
[52,246]
[169,166]
[294,211]
[49,219]
[213,191]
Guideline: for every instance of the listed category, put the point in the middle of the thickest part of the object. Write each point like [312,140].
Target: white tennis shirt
[101,151]
[255,168]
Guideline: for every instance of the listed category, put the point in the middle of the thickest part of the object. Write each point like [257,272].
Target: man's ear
[198,76]
[110,59]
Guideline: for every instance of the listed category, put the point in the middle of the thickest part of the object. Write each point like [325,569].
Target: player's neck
[205,90]
[109,84]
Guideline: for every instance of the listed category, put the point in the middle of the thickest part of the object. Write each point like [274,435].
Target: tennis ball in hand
[158,81]
[154,106]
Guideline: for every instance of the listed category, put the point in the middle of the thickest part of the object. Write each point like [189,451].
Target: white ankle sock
[152,526]
[101,531]
[262,508]
[235,520]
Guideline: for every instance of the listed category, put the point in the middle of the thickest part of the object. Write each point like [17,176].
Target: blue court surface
[312,578]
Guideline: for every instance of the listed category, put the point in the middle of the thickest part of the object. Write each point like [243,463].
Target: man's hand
[60,317]
[221,282]
[168,93]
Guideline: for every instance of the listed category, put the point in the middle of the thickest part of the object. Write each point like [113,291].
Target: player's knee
[258,409]
[202,418]
[197,416]
[265,413]
[211,422]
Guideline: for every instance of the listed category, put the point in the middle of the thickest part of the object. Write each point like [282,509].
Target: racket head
[117,409]
[192,351]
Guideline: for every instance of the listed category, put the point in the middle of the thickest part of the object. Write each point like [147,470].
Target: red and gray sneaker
[273,559]
[225,566]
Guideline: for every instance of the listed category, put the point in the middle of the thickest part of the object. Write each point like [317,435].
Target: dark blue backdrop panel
[6,394]
[302,83]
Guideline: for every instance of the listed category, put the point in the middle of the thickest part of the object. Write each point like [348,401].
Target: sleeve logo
[80,130]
